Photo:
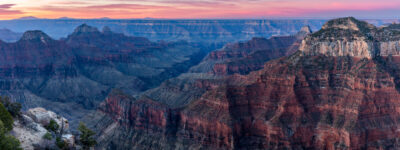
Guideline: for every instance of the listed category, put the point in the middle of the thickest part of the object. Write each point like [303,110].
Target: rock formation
[195,31]
[73,75]
[351,37]
[340,91]
[171,116]
[29,129]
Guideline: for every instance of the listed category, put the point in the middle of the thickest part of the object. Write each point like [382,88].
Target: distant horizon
[149,18]
[200,9]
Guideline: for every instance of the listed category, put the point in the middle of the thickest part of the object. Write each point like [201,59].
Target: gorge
[338,91]
[335,88]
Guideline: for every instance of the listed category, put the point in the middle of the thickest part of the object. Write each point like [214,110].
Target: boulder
[43,116]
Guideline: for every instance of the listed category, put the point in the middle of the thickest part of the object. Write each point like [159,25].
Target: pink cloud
[5,9]
[203,8]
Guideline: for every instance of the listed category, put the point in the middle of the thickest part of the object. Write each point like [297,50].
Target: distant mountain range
[209,31]
[198,31]
[7,35]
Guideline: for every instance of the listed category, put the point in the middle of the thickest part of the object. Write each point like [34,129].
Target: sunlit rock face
[341,37]
[351,37]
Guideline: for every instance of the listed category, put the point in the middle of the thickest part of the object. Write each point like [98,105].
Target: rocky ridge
[29,129]
[351,37]
[196,31]
[9,36]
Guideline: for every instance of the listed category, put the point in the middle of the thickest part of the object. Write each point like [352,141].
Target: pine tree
[52,126]
[8,142]
[86,136]
[6,118]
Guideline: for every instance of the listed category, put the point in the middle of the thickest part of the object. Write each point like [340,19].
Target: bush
[8,142]
[60,143]
[13,108]
[86,136]
[52,126]
[6,118]
[47,136]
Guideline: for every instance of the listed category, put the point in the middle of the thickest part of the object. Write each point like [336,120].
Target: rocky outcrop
[35,35]
[29,129]
[341,37]
[43,117]
[304,31]
[351,37]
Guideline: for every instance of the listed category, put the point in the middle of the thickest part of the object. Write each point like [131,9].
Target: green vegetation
[53,126]
[47,136]
[7,142]
[86,136]
[60,143]
[7,111]
[6,118]
[13,108]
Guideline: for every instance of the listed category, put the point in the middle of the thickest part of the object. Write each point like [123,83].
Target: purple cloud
[5,10]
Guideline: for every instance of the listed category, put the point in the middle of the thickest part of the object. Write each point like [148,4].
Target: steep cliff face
[320,102]
[351,37]
[341,37]
[172,116]
[126,123]
[244,57]
[333,99]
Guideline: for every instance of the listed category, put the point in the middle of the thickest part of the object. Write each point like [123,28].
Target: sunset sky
[183,9]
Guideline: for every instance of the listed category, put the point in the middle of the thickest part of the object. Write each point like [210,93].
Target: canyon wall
[320,97]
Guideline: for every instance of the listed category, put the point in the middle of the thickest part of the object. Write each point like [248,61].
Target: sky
[200,9]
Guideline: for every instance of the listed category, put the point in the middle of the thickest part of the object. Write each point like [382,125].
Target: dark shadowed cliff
[73,75]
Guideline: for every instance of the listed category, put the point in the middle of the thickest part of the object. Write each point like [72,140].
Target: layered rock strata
[340,91]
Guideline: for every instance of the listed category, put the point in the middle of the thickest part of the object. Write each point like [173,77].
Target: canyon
[191,30]
[212,84]
[338,91]
[170,116]
[203,31]
[73,75]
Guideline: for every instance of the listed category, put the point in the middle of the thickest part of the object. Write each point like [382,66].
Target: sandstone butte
[340,90]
